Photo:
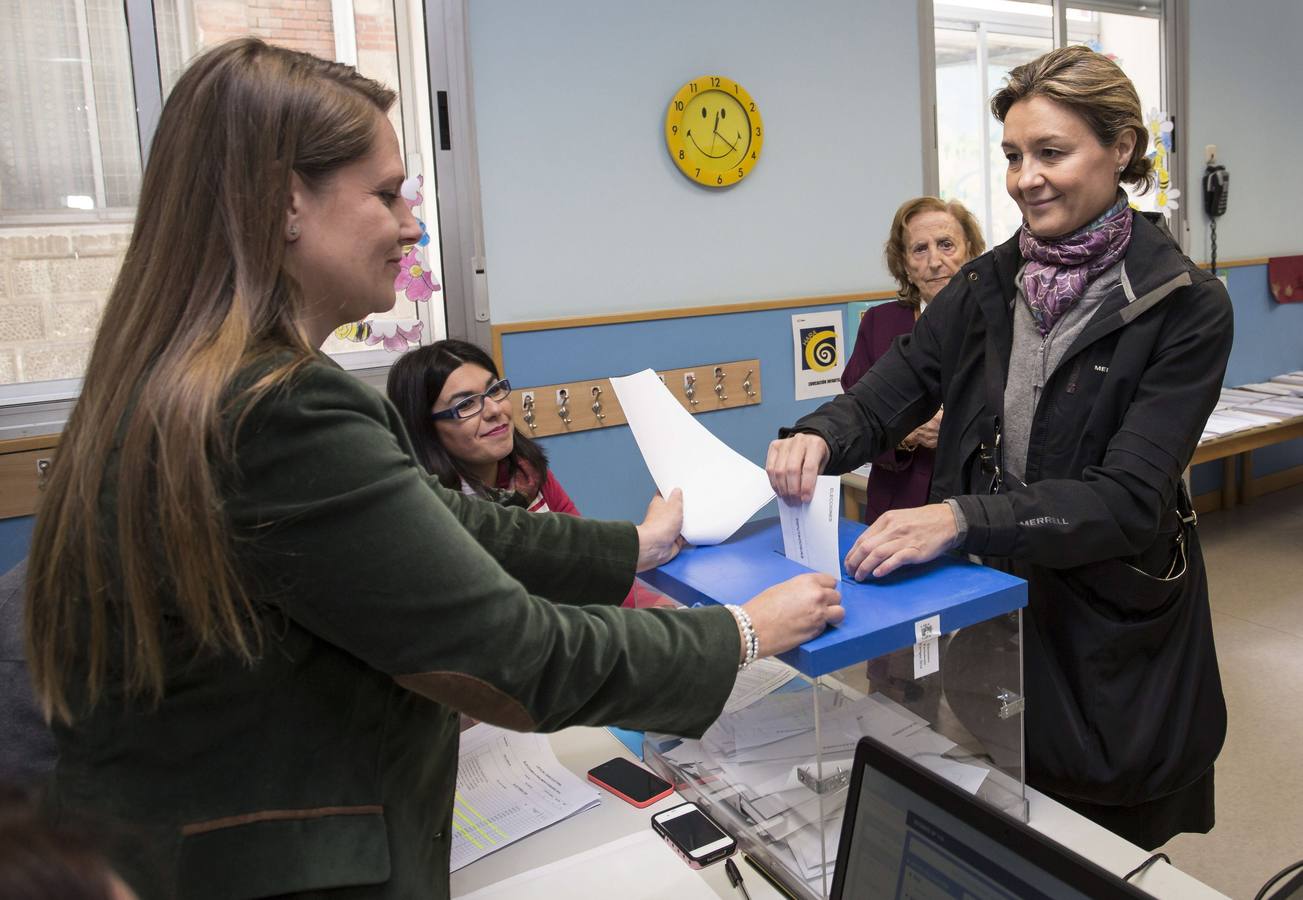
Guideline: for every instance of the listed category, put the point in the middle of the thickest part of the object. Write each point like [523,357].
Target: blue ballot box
[928,660]
[880,614]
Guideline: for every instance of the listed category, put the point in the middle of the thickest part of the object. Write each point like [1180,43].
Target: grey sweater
[1032,360]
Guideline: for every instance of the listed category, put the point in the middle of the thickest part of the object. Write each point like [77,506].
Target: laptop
[909,833]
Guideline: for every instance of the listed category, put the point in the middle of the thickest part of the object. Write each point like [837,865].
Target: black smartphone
[631,783]
[693,835]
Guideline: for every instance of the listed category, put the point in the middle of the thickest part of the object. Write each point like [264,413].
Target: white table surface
[580,749]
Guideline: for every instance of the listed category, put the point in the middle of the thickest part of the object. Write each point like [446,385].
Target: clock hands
[715,129]
[732,147]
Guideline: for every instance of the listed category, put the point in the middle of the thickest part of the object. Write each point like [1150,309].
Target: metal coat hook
[719,384]
[747,386]
[597,403]
[690,388]
[527,410]
[563,398]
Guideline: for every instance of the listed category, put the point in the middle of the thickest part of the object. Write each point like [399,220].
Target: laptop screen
[912,835]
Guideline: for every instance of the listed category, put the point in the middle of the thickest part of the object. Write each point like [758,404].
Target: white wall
[1246,85]
[583,210]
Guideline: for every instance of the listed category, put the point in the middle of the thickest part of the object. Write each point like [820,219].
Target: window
[70,162]
[979,41]
[69,177]
[365,34]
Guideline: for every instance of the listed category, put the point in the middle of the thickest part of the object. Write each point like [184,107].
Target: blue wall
[602,469]
[1245,71]
[604,473]
[583,210]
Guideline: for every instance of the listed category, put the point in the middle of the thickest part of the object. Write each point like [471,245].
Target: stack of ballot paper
[761,758]
[1256,405]
[509,785]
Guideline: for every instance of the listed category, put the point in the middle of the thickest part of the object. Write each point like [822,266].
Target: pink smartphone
[632,784]
[693,835]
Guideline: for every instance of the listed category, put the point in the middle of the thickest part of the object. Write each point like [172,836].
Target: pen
[735,878]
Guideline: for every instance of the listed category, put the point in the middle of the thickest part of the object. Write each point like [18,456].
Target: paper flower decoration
[1160,129]
[413,278]
[1160,133]
[392,334]
[411,190]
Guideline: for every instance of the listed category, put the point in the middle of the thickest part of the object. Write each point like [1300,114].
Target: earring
[293,232]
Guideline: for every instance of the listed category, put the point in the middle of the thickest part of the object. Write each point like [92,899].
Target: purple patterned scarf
[1058,271]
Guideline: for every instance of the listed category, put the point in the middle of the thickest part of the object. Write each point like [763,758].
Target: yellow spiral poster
[820,354]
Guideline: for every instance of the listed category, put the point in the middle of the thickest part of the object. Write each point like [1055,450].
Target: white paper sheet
[810,529]
[1239,395]
[1289,407]
[722,489]
[509,785]
[1254,419]
[637,867]
[1219,424]
[1273,387]
[962,775]
[756,681]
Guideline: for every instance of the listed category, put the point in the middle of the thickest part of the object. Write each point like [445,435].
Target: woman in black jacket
[1077,363]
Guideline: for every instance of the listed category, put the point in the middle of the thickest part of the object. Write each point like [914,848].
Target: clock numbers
[713,131]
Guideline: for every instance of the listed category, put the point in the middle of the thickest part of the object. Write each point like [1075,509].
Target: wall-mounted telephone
[1216,187]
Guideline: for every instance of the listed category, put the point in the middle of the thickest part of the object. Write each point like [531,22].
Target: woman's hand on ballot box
[901,537]
[784,616]
[793,464]
[794,611]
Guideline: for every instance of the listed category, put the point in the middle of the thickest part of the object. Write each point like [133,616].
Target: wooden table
[1240,446]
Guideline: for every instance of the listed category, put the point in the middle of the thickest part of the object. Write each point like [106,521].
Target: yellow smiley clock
[713,131]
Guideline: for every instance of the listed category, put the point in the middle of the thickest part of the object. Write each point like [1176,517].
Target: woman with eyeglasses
[458,413]
[457,410]
[252,615]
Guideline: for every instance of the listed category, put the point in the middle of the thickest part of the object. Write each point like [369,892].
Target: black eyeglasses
[470,406]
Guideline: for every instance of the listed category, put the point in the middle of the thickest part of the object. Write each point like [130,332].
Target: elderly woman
[930,240]
[1077,363]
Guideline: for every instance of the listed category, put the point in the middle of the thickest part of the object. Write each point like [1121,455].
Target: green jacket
[389,604]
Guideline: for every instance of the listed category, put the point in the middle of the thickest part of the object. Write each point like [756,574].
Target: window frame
[42,407]
[1173,78]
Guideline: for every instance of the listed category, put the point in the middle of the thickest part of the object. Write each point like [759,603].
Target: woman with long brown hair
[252,616]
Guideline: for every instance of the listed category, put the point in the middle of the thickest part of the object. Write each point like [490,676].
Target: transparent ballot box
[928,661]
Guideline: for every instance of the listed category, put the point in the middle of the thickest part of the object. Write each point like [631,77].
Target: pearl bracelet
[748,632]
